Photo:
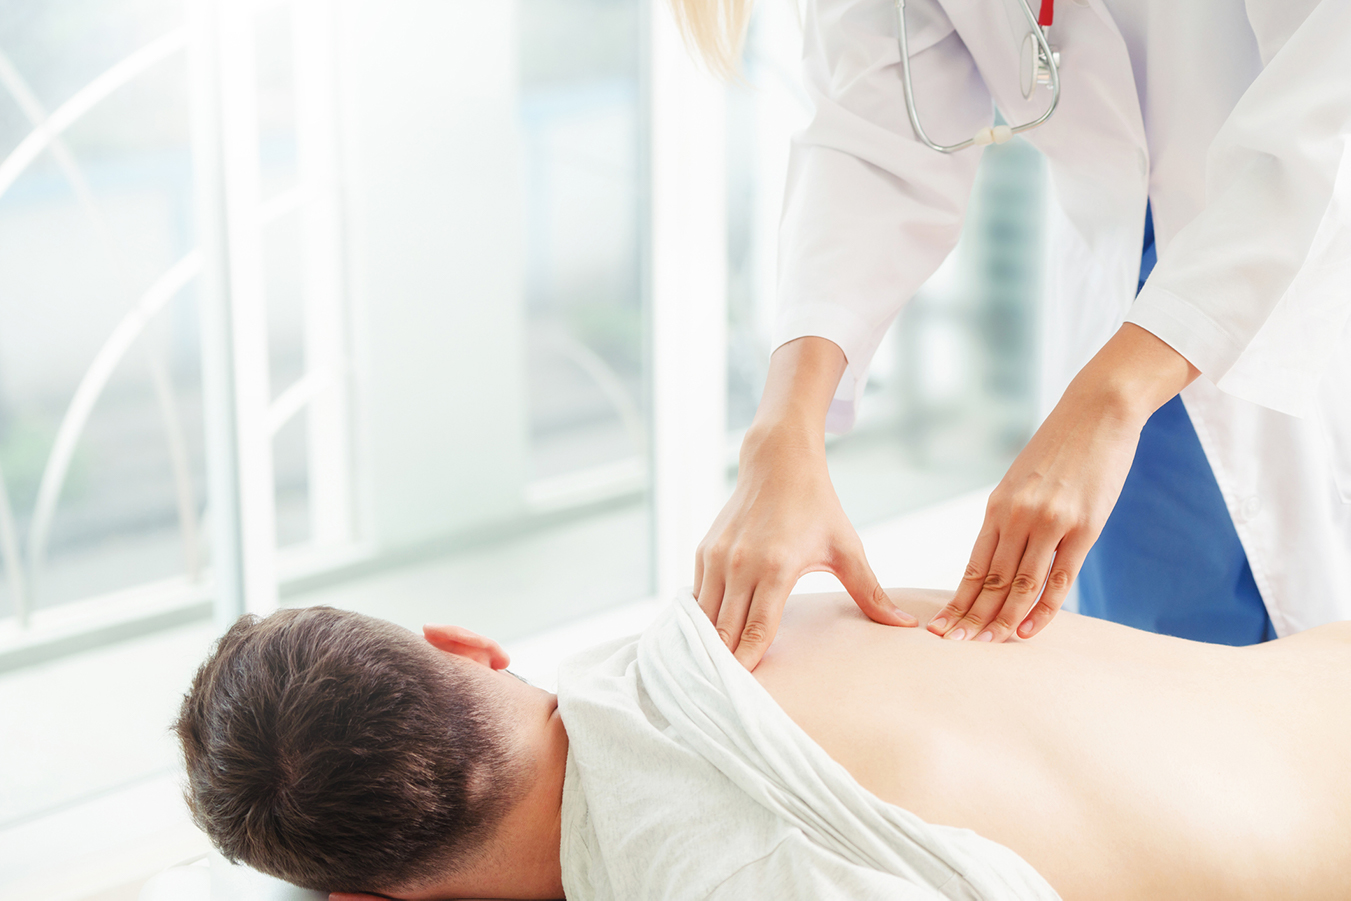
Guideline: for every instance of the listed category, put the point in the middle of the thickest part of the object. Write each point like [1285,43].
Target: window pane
[579,115]
[486,262]
[501,309]
[100,398]
[85,231]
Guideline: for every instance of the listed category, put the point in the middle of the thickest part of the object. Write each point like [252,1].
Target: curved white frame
[86,396]
[88,97]
[220,39]
[46,135]
[18,88]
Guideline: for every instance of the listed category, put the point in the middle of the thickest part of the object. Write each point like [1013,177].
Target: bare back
[1118,763]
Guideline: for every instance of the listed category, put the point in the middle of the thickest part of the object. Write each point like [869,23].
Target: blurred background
[433,309]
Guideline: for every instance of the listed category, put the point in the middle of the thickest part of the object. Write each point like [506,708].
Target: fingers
[1023,591]
[762,620]
[710,598]
[970,623]
[1068,559]
[858,579]
[710,574]
[973,580]
[732,616]
[747,606]
[1022,588]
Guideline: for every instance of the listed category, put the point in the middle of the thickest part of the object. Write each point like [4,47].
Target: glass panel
[544,518]
[581,116]
[535,309]
[85,231]
[579,111]
[950,398]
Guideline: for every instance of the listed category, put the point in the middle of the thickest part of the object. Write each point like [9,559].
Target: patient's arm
[1109,758]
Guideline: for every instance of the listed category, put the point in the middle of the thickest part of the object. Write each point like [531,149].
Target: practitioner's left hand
[1050,507]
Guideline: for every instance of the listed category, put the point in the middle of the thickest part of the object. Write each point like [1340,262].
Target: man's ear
[463,643]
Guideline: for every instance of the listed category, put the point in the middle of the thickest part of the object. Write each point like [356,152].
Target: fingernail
[904,617]
[987,635]
[1025,629]
[938,623]
[957,634]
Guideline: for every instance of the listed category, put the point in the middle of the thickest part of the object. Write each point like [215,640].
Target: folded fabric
[686,780]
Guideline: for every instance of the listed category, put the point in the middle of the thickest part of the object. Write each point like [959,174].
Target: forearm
[1133,375]
[803,376]
[1265,254]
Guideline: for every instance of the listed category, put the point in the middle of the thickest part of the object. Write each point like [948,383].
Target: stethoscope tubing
[986,135]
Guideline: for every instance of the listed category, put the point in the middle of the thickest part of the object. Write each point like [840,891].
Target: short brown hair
[340,752]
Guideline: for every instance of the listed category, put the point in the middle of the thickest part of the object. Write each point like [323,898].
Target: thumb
[858,579]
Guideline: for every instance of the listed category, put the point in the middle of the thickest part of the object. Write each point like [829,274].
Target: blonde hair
[717,29]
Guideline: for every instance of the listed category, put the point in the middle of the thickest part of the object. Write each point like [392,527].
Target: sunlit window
[357,303]
[300,302]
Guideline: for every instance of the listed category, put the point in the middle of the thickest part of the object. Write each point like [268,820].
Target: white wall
[432,175]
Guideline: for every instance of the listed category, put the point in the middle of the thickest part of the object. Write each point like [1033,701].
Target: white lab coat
[1237,126]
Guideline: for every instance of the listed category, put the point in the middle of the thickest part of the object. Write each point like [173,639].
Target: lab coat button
[1250,508]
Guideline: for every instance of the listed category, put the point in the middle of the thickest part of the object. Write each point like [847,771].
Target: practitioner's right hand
[783,520]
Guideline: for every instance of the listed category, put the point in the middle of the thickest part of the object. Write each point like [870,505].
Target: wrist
[1133,375]
[802,378]
[772,438]
[1121,399]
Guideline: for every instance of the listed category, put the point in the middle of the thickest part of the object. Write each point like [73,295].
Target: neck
[521,860]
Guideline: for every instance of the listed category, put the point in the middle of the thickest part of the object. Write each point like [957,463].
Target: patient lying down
[342,753]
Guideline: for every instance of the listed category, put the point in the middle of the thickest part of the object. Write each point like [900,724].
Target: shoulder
[660,827]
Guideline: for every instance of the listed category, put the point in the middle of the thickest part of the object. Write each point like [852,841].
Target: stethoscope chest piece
[1033,69]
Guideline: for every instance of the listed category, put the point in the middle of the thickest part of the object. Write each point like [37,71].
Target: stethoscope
[1041,65]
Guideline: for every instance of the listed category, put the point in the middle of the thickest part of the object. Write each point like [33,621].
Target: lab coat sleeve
[1256,290]
[869,211]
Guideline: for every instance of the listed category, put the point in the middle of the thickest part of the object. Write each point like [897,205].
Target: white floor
[114,707]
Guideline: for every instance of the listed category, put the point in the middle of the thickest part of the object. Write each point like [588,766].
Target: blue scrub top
[1169,559]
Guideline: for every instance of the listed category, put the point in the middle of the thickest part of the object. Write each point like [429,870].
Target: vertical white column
[213,294]
[326,333]
[248,302]
[689,299]
[432,184]
[233,310]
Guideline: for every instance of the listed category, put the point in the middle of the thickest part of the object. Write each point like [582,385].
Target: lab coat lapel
[1099,166]
[1096,140]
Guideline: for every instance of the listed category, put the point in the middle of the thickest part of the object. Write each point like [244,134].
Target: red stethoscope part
[1047,13]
